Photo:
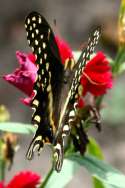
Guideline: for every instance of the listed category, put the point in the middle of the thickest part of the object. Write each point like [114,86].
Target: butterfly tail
[58,156]
[36,144]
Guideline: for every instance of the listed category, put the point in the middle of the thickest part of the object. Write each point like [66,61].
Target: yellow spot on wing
[80,90]
[38,84]
[36,102]
[41,61]
[28,21]
[36,42]
[37,118]
[44,45]
[66,63]
[45,56]
[47,66]
[37,31]
[38,138]
[32,35]
[50,97]
[41,36]
[34,25]
[49,88]
[72,63]
[30,28]
[42,71]
[40,20]
[33,18]
[39,49]
[39,77]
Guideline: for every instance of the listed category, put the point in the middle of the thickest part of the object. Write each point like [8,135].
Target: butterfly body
[56,88]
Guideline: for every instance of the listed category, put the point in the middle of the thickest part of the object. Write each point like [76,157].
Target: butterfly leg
[80,138]
[95,117]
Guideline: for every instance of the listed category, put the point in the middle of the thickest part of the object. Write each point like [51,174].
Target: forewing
[68,114]
[47,87]
[82,61]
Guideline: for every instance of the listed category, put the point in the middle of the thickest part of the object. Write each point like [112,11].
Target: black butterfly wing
[82,61]
[68,114]
[47,87]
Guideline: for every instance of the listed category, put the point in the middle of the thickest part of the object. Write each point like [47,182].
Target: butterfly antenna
[56,28]
[54,21]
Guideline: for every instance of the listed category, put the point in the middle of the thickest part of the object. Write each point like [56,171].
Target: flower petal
[64,49]
[27,100]
[25,179]
[97,75]
[2,185]
[24,76]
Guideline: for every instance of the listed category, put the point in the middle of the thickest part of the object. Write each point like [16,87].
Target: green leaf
[119,64]
[97,183]
[101,170]
[94,149]
[59,180]
[17,127]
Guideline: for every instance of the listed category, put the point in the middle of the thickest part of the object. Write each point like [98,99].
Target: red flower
[24,180]
[2,185]
[97,76]
[80,103]
[64,49]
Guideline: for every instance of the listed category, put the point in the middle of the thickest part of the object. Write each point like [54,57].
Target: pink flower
[24,76]
[25,179]
[97,76]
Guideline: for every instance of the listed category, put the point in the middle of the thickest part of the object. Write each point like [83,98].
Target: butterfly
[56,89]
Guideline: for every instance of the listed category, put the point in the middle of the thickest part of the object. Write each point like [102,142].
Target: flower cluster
[96,77]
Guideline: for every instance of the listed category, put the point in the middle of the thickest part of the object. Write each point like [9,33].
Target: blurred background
[75,20]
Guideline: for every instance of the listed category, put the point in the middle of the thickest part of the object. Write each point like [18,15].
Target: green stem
[2,163]
[2,169]
[99,101]
[47,178]
[119,60]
